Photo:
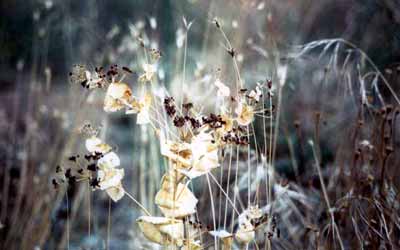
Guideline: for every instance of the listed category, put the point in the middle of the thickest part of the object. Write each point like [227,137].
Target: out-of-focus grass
[40,121]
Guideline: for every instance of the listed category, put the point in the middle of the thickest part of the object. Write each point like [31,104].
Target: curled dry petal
[118,95]
[162,230]
[175,200]
[223,90]
[256,93]
[251,213]
[192,245]
[194,159]
[110,177]
[226,127]
[178,152]
[110,159]
[142,108]
[245,232]
[245,114]
[205,155]
[116,193]
[94,144]
[228,123]
[149,72]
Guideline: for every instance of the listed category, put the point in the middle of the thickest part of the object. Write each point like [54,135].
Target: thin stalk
[138,204]
[109,224]
[67,219]
[227,185]
[222,190]
[184,67]
[213,211]
[235,186]
[325,193]
[89,209]
[248,169]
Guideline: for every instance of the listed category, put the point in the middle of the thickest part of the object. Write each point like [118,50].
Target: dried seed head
[155,54]
[269,83]
[231,52]
[169,106]
[179,121]
[216,22]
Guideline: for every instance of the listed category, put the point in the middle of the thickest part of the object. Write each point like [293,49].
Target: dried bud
[231,52]
[216,22]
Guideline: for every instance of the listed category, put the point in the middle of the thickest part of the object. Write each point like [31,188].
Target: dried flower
[149,72]
[78,75]
[223,90]
[204,155]
[175,200]
[194,159]
[178,152]
[251,213]
[155,55]
[245,114]
[118,96]
[162,230]
[110,177]
[245,232]
[141,107]
[94,80]
[256,93]
[224,130]
[94,144]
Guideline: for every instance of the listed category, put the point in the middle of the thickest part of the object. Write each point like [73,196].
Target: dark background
[36,36]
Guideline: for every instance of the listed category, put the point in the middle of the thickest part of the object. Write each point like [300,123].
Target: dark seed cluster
[79,169]
[113,71]
[235,139]
[214,121]
[179,121]
[78,75]
[169,105]
[199,225]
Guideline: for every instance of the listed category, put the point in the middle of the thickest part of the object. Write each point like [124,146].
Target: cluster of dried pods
[194,153]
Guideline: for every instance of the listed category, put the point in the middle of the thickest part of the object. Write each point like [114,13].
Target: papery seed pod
[118,95]
[161,230]
[95,145]
[245,114]
[245,233]
[175,200]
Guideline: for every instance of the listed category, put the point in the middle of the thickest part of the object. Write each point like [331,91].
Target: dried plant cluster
[192,144]
[195,144]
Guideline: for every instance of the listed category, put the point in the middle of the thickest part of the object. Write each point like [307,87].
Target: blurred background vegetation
[41,39]
[57,34]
